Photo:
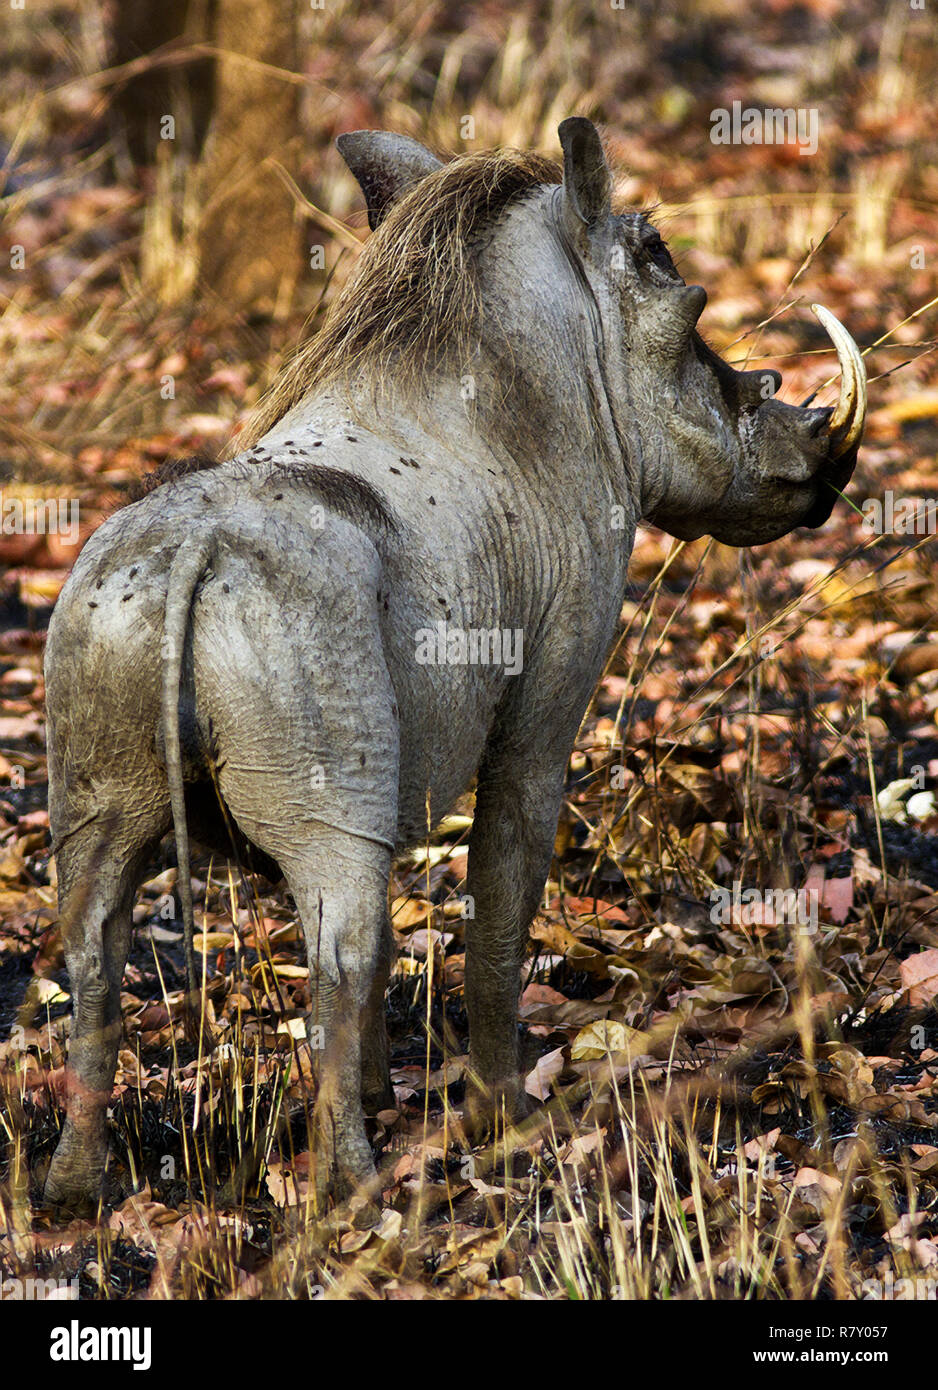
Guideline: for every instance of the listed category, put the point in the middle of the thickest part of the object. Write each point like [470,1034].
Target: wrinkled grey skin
[292,632]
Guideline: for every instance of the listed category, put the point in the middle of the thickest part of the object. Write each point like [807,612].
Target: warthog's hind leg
[98,871]
[308,767]
[340,889]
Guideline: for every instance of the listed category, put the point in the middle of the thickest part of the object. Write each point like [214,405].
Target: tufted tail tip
[199,1031]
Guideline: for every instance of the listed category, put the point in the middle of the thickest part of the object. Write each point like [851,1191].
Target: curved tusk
[850,411]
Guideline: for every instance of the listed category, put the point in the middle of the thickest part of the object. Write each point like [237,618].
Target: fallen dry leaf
[919,975]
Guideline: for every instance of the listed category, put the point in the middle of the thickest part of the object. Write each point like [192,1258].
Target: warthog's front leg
[509,857]
[377,1091]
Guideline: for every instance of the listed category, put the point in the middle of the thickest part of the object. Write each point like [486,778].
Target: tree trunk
[139,28]
[249,234]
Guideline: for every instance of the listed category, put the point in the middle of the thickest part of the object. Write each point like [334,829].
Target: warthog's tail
[189,564]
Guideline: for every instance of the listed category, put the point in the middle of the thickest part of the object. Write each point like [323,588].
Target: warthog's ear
[386,166]
[586,178]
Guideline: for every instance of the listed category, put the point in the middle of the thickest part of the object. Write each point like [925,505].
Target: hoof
[75,1179]
[339,1184]
[380,1097]
[487,1111]
[364,1213]
[347,1179]
[72,1194]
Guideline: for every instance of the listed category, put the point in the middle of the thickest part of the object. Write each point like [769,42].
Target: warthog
[510,381]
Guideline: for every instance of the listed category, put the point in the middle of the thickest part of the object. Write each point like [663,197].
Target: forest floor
[729,1103]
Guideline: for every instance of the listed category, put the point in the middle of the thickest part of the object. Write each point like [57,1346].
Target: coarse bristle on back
[412,304]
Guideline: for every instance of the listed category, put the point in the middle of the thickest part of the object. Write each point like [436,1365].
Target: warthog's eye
[654,250]
[646,246]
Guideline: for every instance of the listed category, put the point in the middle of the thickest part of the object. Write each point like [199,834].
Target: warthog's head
[722,457]
[539,284]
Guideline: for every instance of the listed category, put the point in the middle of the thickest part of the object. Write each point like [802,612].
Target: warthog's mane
[412,303]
